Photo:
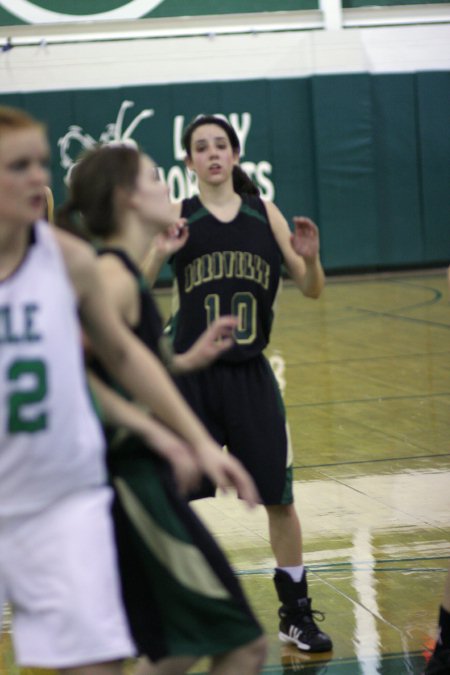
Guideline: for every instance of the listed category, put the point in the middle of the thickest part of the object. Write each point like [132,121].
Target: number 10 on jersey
[243,305]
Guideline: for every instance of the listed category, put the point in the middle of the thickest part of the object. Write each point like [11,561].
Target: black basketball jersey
[149,328]
[227,268]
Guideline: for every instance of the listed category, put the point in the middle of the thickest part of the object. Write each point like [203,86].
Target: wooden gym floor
[366,377]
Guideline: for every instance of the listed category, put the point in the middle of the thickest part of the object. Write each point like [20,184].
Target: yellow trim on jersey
[185,562]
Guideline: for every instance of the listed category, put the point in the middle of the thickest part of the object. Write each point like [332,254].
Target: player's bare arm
[118,411]
[300,250]
[164,245]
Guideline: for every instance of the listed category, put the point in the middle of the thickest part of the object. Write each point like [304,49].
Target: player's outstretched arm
[119,412]
[300,249]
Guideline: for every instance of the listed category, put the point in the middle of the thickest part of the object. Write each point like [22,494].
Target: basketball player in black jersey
[228,260]
[181,596]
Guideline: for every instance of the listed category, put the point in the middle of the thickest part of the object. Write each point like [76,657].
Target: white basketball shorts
[58,573]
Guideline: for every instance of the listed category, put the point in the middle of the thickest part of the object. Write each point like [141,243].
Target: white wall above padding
[224,57]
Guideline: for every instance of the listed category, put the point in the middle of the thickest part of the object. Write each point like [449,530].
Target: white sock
[296,573]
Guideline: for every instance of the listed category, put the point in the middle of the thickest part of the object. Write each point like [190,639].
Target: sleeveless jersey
[227,268]
[51,443]
[149,328]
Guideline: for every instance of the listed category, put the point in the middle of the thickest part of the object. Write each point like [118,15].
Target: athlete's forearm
[124,414]
[142,374]
[116,410]
[313,280]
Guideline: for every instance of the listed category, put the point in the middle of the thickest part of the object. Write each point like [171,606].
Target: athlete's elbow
[115,361]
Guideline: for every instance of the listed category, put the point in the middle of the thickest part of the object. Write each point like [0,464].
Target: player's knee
[282,511]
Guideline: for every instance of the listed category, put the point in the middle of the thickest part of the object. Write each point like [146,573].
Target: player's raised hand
[172,240]
[164,245]
[305,238]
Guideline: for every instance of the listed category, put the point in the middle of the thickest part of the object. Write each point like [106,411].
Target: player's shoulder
[274,215]
[190,206]
[78,255]
[254,205]
[112,262]
[119,274]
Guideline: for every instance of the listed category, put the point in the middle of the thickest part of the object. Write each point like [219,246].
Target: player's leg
[247,660]
[202,390]
[181,595]
[261,441]
[170,666]
[285,535]
[65,593]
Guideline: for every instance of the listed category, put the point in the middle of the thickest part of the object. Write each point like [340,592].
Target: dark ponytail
[242,183]
[69,218]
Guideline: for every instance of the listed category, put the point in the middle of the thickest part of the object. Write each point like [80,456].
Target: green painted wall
[170,8]
[165,8]
[199,7]
[365,155]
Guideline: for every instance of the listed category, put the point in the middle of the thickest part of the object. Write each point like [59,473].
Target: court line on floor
[372,399]
[336,665]
[393,314]
[408,319]
[370,461]
[318,568]
[384,357]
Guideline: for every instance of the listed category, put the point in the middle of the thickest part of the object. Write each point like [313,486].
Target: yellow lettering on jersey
[228,264]
[217,265]
[229,259]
